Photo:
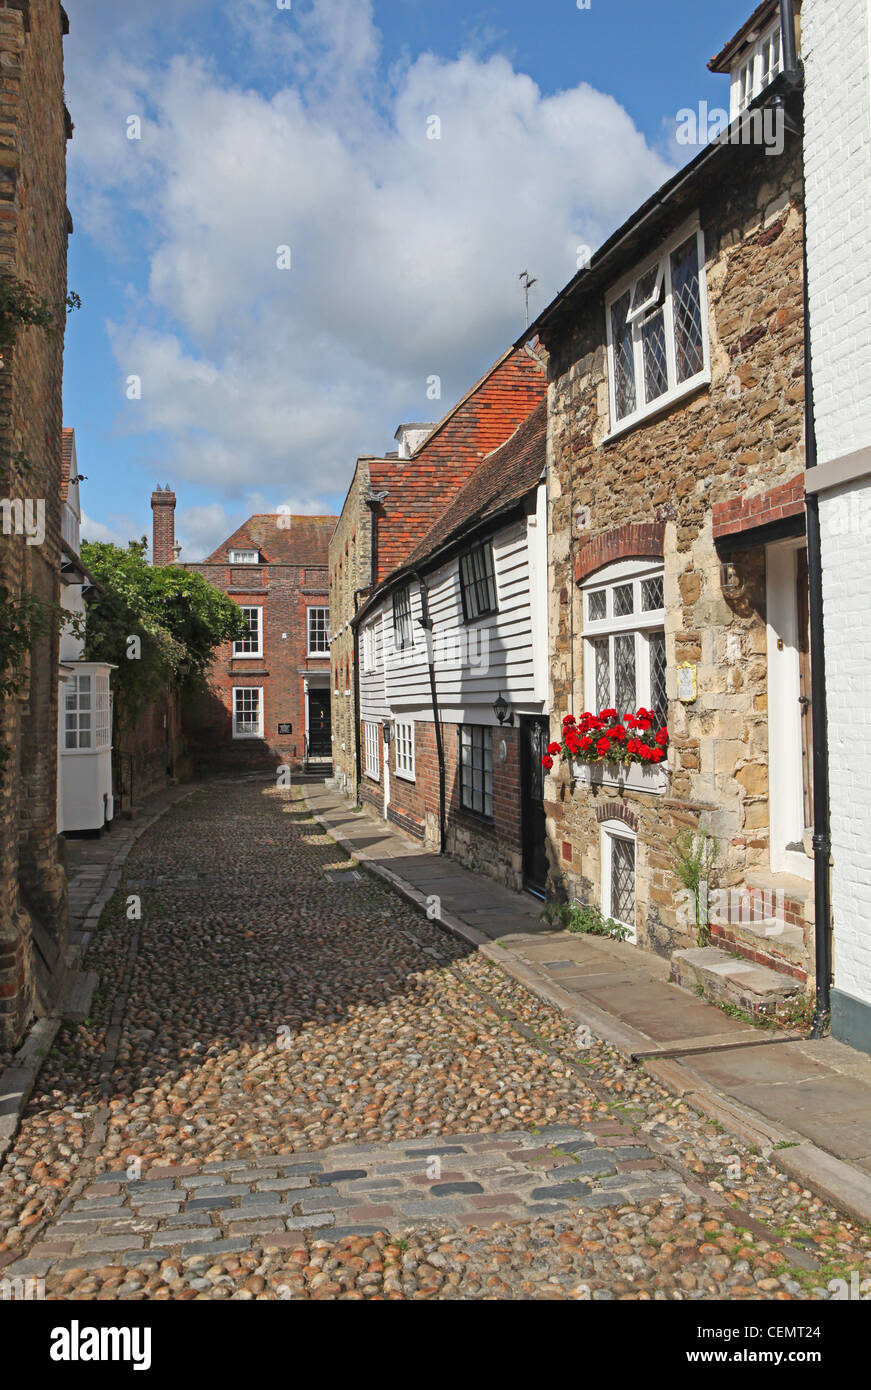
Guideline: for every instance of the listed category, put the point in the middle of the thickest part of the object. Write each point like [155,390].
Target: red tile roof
[504,477]
[299,540]
[421,487]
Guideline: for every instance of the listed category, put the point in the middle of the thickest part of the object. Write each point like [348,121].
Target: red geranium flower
[607,714]
[662,737]
[554,748]
[603,746]
[618,732]
[586,743]
[547,762]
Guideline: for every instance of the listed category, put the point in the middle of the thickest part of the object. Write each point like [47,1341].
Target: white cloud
[405,250]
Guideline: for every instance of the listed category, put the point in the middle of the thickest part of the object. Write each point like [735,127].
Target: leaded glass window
[623,880]
[656,329]
[625,651]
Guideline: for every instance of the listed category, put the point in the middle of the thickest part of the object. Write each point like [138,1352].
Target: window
[402,634]
[618,874]
[78,713]
[247,712]
[318,631]
[657,331]
[477,582]
[368,648]
[252,643]
[404,741]
[244,557]
[758,65]
[372,741]
[476,769]
[624,639]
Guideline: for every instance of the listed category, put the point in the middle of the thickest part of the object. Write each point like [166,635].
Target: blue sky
[311,129]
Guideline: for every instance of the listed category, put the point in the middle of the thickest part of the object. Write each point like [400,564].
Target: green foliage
[585,918]
[22,620]
[694,859]
[177,618]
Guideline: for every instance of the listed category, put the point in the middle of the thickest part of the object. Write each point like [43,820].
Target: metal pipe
[822,843]
[426,623]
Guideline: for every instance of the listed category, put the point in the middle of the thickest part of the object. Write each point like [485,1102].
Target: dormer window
[758,65]
[244,557]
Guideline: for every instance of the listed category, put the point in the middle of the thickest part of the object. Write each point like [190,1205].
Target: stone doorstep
[753,988]
[766,943]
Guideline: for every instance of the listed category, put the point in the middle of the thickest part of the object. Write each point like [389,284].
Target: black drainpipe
[357,774]
[822,843]
[426,623]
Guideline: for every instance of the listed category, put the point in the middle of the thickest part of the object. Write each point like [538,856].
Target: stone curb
[18,1080]
[837,1182]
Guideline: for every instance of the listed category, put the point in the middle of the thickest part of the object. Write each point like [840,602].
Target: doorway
[789,717]
[319,730]
[534,738]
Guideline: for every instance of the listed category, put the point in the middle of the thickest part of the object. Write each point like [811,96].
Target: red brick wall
[33,250]
[284,592]
[491,847]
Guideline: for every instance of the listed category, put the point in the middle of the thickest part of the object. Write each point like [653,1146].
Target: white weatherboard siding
[504,653]
[835,50]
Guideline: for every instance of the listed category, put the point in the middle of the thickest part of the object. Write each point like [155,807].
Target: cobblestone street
[293,1085]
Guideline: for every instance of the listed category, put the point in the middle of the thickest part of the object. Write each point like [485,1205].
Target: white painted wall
[506,653]
[835,51]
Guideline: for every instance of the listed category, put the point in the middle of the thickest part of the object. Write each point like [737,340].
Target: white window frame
[258,733]
[611,830]
[248,655]
[317,651]
[676,390]
[640,622]
[372,750]
[79,714]
[403,739]
[244,557]
[368,649]
[749,76]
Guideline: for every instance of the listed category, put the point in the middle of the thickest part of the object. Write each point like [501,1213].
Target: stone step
[726,979]
[767,942]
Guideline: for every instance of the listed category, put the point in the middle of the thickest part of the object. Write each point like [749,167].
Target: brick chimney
[163,551]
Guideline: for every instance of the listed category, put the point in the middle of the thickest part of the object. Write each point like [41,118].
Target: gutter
[822,842]
[426,623]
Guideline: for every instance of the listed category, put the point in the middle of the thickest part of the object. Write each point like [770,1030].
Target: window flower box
[633,777]
[603,750]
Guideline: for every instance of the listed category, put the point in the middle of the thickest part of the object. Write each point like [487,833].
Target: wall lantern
[387,730]
[502,709]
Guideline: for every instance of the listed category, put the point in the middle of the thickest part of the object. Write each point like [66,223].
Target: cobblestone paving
[295,1086]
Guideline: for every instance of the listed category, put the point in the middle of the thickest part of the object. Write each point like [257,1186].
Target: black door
[319,744]
[534,737]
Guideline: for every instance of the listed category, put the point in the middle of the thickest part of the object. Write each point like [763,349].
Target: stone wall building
[676,551]
[34,226]
[268,699]
[836,41]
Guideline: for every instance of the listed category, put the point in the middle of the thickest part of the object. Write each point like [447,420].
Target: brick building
[394,501]
[836,38]
[677,559]
[34,227]
[268,698]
